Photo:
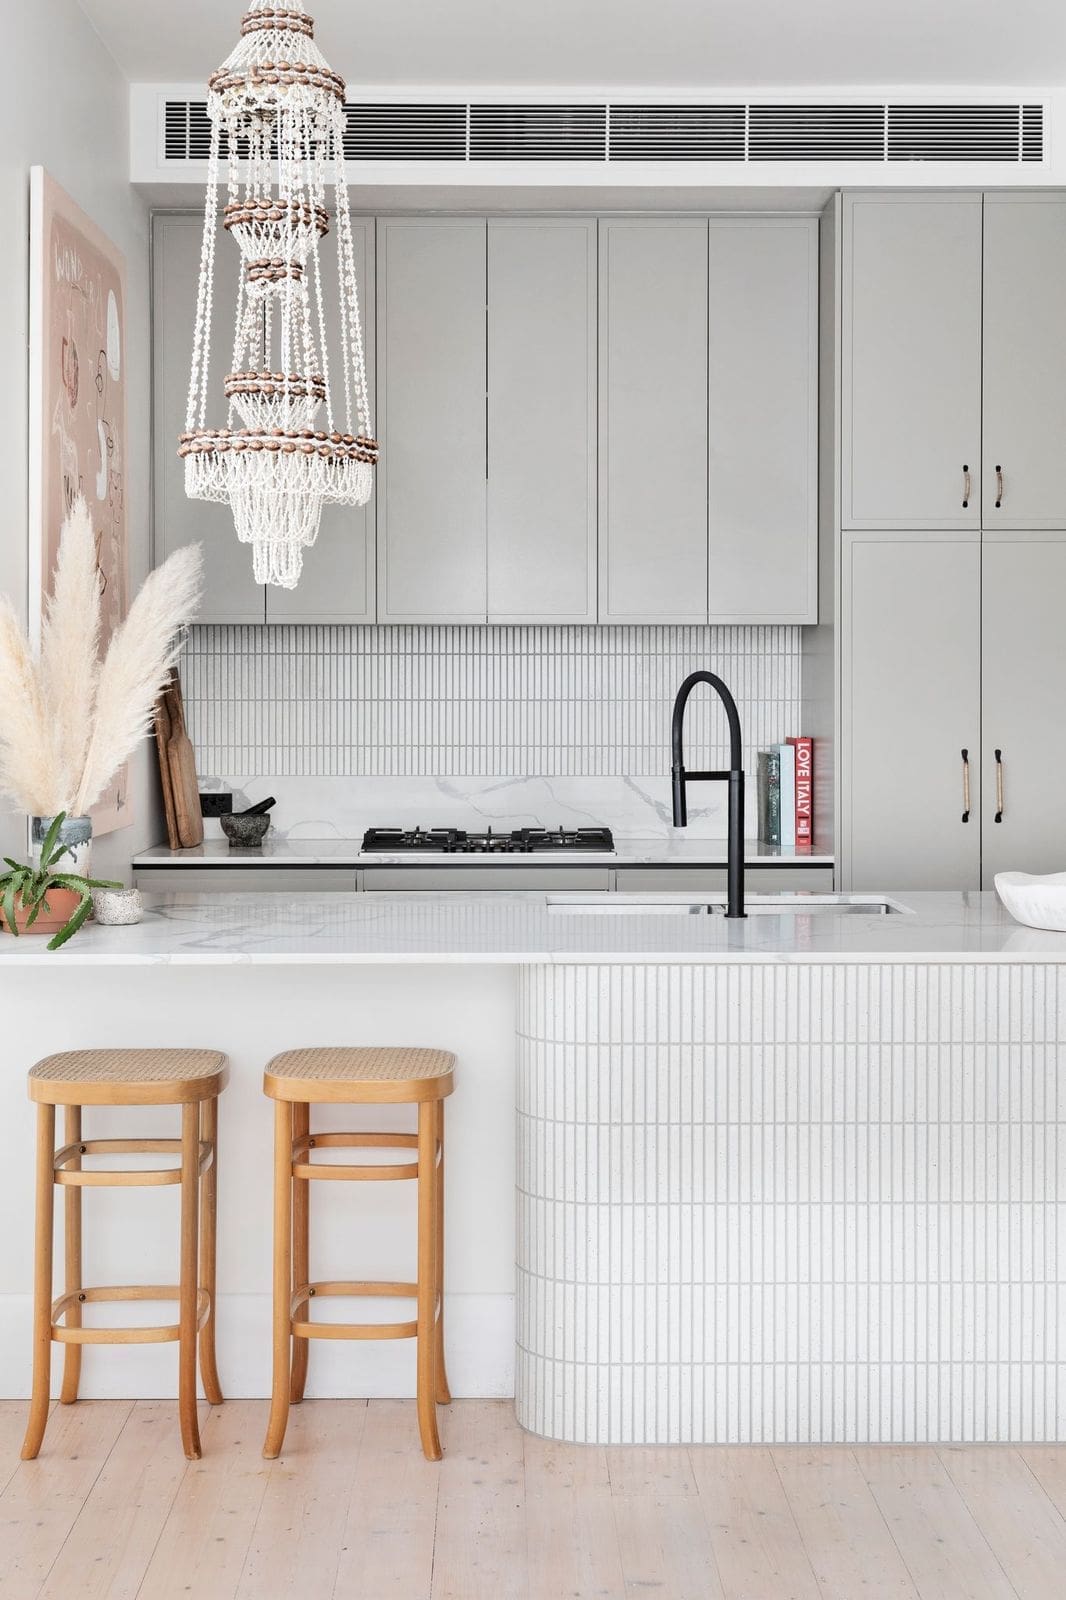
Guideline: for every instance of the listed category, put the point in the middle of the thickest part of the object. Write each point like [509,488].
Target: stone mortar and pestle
[246,830]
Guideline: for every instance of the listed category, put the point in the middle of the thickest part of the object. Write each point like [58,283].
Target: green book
[768,787]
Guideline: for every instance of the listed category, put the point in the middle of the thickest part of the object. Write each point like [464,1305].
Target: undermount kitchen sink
[755,905]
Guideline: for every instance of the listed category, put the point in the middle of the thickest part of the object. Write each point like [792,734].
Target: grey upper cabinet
[653,420]
[1024,360]
[542,420]
[910,706]
[431,299]
[337,583]
[1023,656]
[763,420]
[230,595]
[911,373]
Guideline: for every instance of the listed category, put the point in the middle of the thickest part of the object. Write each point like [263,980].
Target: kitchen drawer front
[684,880]
[249,880]
[472,880]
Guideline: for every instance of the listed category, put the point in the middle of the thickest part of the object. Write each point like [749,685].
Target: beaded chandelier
[277,119]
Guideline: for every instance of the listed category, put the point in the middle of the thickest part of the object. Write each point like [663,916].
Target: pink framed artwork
[78,439]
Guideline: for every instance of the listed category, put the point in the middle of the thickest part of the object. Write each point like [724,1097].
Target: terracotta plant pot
[62,904]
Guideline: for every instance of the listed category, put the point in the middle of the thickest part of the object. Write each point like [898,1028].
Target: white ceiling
[618,43]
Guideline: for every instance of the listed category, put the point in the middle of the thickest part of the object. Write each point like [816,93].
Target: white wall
[66,106]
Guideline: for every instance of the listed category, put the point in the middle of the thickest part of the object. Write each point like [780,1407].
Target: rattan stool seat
[360,1075]
[128,1077]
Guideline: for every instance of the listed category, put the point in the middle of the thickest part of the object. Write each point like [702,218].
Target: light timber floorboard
[391,1522]
[666,1548]
[480,1550]
[107,1552]
[946,1553]
[296,1544]
[44,1498]
[1026,1531]
[757,1544]
[846,1538]
[204,1545]
[1047,1463]
[352,1511]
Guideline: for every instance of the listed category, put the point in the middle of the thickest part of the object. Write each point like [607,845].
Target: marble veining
[528,928]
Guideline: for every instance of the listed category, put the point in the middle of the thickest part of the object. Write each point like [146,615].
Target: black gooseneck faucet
[734,777]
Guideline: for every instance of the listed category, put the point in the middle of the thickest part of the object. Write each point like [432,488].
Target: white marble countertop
[520,928]
[675,850]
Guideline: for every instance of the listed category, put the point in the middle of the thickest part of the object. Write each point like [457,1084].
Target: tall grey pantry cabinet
[953,549]
[337,584]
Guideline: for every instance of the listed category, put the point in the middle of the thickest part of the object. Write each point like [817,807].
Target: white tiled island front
[797,1178]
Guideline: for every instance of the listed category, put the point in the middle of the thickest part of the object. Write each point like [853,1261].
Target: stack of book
[786,794]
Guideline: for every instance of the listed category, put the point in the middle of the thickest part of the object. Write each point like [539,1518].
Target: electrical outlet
[215,804]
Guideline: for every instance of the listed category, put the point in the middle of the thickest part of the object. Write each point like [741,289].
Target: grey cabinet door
[911,376]
[1024,361]
[431,403]
[338,579]
[763,419]
[542,420]
[1022,687]
[230,595]
[910,704]
[653,420]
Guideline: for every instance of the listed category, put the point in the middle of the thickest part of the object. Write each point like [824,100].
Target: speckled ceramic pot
[117,908]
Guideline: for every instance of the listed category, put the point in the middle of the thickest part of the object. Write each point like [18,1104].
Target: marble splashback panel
[351,726]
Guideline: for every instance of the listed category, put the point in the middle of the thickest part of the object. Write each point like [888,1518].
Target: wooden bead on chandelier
[276,110]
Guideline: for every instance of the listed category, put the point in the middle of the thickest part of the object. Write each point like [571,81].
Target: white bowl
[1039,902]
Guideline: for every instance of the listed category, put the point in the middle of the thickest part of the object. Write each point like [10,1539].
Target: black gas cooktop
[456,841]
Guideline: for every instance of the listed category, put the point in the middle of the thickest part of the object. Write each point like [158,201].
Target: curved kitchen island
[801,1177]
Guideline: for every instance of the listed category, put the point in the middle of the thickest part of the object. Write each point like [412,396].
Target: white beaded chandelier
[277,113]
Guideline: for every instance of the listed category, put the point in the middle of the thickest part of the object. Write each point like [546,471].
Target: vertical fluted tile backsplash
[319,701]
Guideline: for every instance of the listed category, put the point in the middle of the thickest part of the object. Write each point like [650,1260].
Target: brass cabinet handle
[965,486]
[999,487]
[999,786]
[965,786]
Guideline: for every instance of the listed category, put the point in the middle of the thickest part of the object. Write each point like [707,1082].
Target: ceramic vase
[75,843]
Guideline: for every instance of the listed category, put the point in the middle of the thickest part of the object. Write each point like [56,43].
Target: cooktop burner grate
[457,841]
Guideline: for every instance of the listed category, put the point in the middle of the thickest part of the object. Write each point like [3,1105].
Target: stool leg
[427,1280]
[189,1279]
[301,1252]
[279,1403]
[72,1259]
[208,1252]
[444,1393]
[42,1281]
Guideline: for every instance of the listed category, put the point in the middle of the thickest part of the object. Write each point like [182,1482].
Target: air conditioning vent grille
[954,133]
[1032,133]
[816,133]
[405,133]
[677,133]
[538,133]
[656,132]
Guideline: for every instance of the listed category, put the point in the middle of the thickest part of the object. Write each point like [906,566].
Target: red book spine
[804,792]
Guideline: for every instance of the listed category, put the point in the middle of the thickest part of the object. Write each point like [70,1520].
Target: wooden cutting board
[181,761]
[162,740]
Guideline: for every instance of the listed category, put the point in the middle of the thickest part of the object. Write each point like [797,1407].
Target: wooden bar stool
[192,1079]
[297,1080]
